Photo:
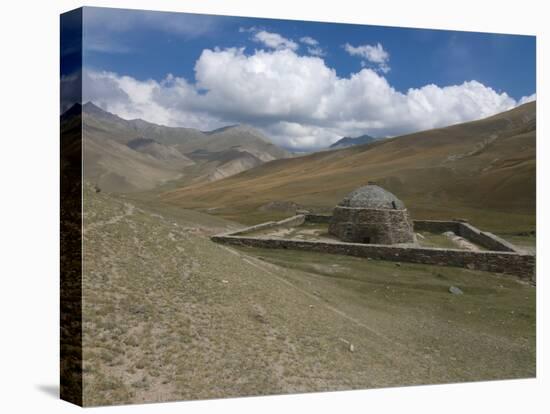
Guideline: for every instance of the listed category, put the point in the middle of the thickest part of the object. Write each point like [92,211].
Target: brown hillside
[483,170]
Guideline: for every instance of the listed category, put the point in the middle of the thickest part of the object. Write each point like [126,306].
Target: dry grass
[169,315]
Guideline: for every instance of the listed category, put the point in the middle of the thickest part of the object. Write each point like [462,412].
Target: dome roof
[372,196]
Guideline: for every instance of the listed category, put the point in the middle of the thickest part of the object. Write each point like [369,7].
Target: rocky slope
[134,155]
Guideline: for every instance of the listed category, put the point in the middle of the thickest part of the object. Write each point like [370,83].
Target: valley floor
[170,315]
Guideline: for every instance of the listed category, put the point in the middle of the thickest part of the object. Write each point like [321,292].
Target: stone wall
[503,257]
[485,239]
[292,221]
[266,225]
[436,226]
[318,218]
[522,265]
[469,232]
[288,222]
[368,225]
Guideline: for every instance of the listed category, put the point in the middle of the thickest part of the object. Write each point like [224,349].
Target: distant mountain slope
[133,155]
[168,154]
[242,138]
[187,140]
[349,141]
[484,170]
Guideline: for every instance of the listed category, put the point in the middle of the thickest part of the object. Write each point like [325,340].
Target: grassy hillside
[484,171]
[168,314]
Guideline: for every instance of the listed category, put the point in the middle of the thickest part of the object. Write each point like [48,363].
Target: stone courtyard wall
[318,218]
[288,222]
[485,239]
[469,232]
[436,226]
[262,226]
[522,265]
[292,221]
[503,257]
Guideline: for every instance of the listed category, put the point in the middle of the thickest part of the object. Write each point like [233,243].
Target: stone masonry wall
[380,226]
[261,226]
[469,232]
[292,221]
[435,226]
[522,265]
[288,222]
[485,239]
[504,257]
[318,218]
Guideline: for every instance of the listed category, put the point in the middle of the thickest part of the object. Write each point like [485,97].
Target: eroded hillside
[122,155]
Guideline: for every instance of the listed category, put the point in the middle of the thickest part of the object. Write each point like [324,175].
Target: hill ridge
[469,169]
[135,155]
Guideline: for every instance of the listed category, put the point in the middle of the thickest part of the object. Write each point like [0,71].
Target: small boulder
[455,291]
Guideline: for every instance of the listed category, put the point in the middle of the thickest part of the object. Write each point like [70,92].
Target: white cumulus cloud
[274,40]
[371,54]
[297,100]
[316,51]
[526,99]
[312,46]
[309,41]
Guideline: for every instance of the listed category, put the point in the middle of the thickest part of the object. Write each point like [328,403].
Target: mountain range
[134,155]
[484,170]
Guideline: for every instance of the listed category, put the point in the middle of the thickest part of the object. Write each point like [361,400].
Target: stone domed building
[371,214]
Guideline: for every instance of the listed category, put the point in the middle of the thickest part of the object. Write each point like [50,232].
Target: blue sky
[192,70]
